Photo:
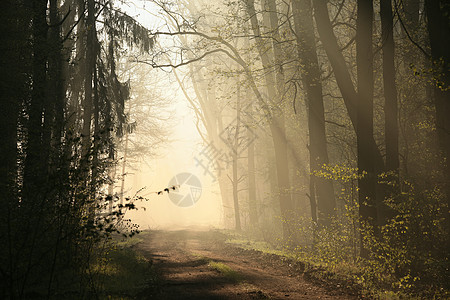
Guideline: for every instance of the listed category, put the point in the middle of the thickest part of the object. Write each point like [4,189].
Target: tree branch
[234,55]
[74,25]
[174,66]
[407,32]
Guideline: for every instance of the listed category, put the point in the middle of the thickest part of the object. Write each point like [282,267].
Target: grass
[222,268]
[200,259]
[316,270]
[226,271]
[122,273]
[122,242]
[335,274]
[259,246]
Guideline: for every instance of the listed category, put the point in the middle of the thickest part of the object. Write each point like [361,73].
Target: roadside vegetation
[367,279]
[120,272]
[226,271]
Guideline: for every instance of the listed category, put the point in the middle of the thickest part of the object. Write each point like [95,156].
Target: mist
[224,149]
[176,157]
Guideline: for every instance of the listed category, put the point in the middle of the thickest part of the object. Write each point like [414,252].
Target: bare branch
[407,32]
[234,55]
[334,123]
[174,66]
[74,25]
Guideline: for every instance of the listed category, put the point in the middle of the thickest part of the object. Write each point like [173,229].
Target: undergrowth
[122,273]
[365,278]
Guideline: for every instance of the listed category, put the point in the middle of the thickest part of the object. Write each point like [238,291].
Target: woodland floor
[198,264]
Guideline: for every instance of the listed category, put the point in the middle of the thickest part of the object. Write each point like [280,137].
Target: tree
[320,188]
[364,129]
[52,209]
[390,93]
[276,119]
[341,72]
[439,35]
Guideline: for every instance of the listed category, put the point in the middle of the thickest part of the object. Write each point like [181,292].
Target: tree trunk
[58,80]
[411,22]
[235,155]
[364,129]
[97,135]
[124,165]
[54,102]
[439,34]
[33,164]
[322,188]
[312,197]
[88,89]
[12,39]
[277,124]
[341,72]
[390,94]
[112,177]
[11,91]
[253,212]
[346,87]
[282,172]
[76,85]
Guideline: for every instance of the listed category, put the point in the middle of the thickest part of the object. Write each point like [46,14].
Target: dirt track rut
[183,259]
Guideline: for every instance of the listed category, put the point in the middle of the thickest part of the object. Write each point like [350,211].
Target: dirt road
[198,264]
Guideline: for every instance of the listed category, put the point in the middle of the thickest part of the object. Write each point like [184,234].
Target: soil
[183,260]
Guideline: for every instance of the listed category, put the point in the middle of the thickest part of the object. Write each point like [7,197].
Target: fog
[296,119]
[177,156]
[320,128]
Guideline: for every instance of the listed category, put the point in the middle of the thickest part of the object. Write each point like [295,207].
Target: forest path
[198,264]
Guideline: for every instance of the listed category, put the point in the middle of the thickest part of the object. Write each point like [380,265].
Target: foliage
[64,110]
[408,256]
[121,273]
[411,248]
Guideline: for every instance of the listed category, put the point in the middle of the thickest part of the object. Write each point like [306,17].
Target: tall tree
[390,91]
[34,165]
[12,90]
[88,79]
[364,129]
[40,178]
[438,19]
[14,63]
[277,122]
[348,91]
[251,170]
[341,72]
[321,188]
[235,143]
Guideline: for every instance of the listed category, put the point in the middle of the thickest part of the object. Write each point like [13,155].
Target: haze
[314,130]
